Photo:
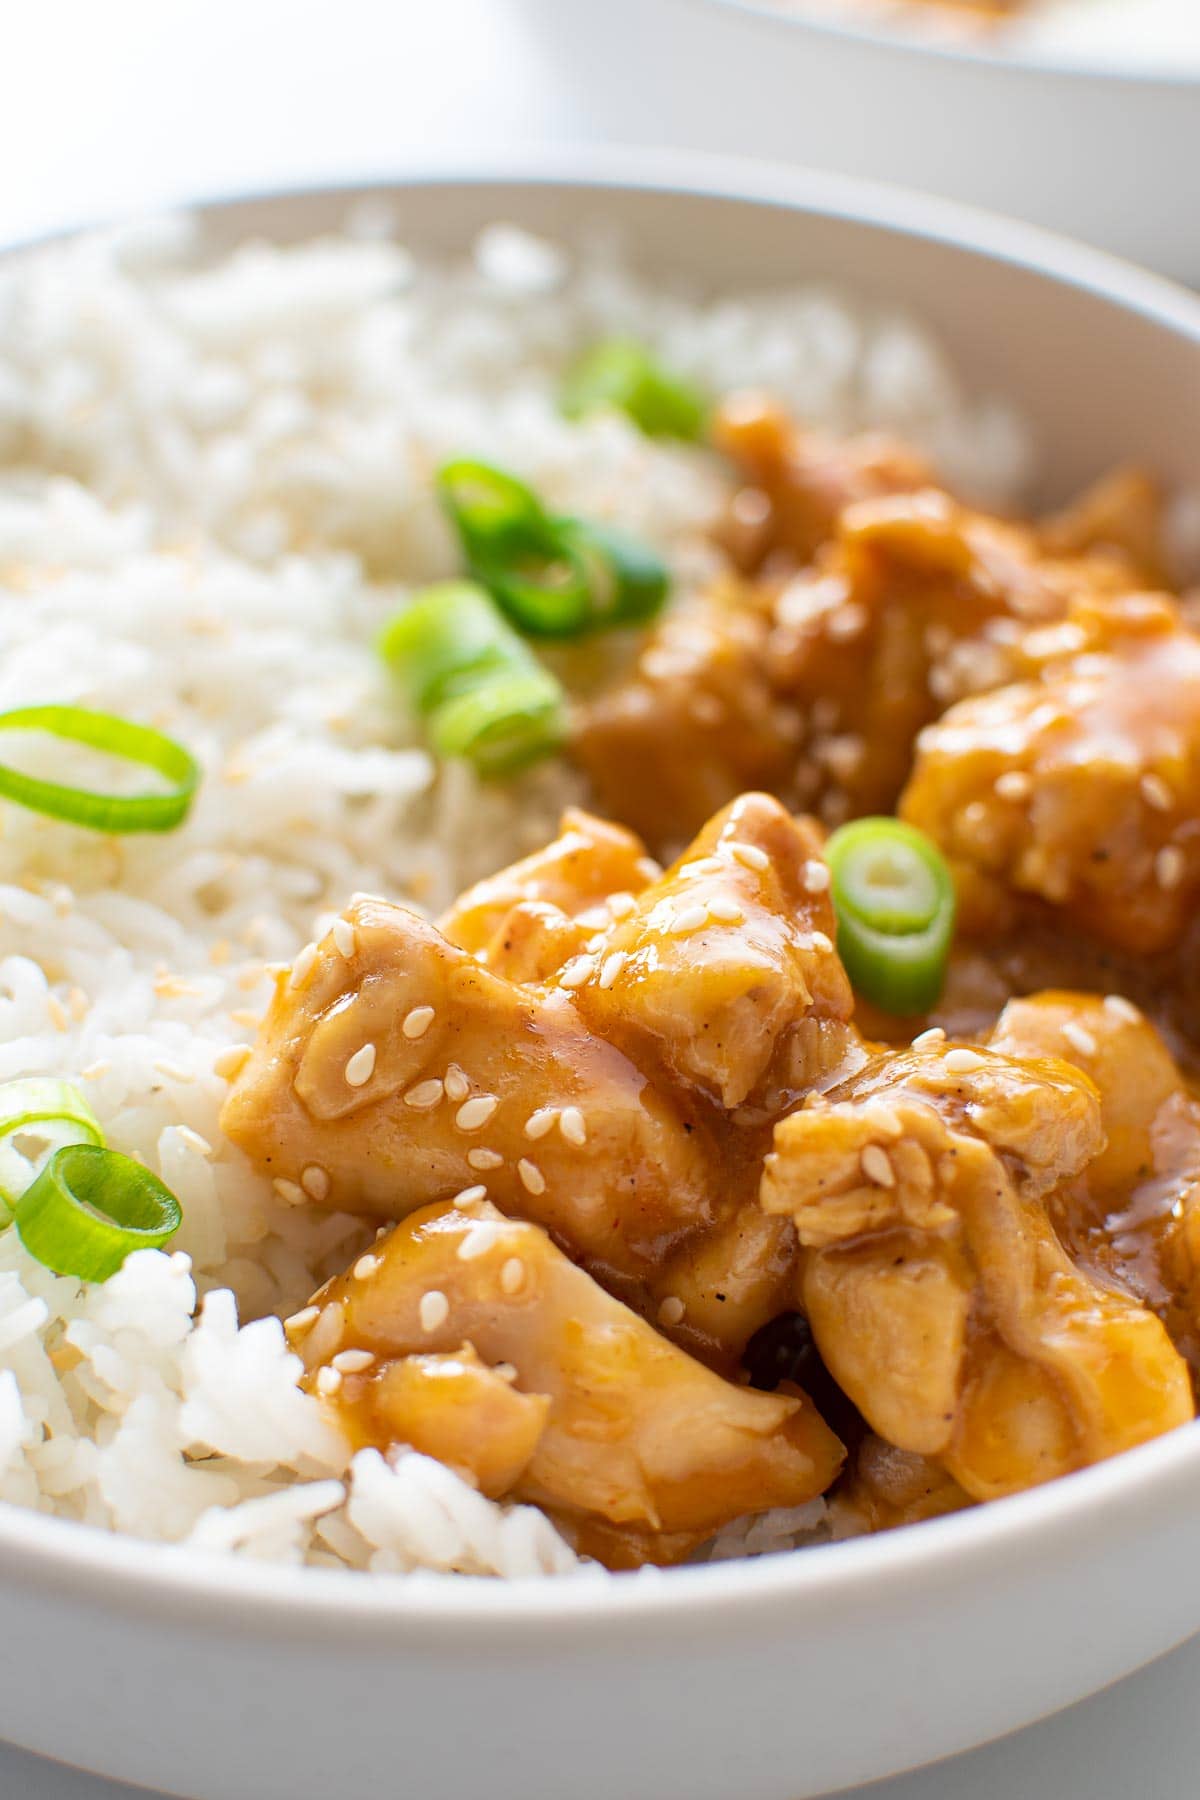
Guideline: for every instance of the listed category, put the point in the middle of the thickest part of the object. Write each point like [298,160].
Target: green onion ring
[553,577]
[491,510]
[482,692]
[117,737]
[504,723]
[40,1100]
[90,1208]
[894,899]
[622,375]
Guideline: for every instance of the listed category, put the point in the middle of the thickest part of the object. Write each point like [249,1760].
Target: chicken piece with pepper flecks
[939,1295]
[471,1337]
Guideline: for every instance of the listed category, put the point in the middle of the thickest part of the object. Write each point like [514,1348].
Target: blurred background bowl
[1105,146]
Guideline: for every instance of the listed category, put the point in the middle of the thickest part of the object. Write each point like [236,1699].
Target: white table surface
[121,105]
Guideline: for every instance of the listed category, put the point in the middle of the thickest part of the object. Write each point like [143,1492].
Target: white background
[120,105]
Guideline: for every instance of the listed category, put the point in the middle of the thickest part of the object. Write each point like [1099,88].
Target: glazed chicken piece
[888,1487]
[798,483]
[1133,1214]
[533,917]
[724,971]
[725,978]
[394,1069]
[815,685]
[624,1102]
[939,1296]
[1076,791]
[471,1337]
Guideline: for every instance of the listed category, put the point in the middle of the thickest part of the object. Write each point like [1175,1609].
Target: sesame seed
[822,941]
[315,1181]
[479,1239]
[484,1159]
[1014,784]
[611,967]
[353,1362]
[726,910]
[1156,793]
[877,1166]
[300,1321]
[470,1196]
[418,1021]
[963,1062]
[531,1176]
[230,1061]
[473,1114]
[688,918]
[512,1275]
[1121,1008]
[816,877]
[703,865]
[1080,1038]
[505,1370]
[366,1266]
[1170,866]
[843,756]
[647,868]
[434,1309]
[577,971]
[344,940]
[328,1381]
[750,856]
[425,1095]
[621,905]
[846,622]
[290,1192]
[1177,1210]
[303,966]
[540,1122]
[571,1124]
[457,1085]
[327,1332]
[926,1040]
[672,1310]
[361,1066]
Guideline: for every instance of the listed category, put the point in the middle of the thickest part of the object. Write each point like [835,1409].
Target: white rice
[214,486]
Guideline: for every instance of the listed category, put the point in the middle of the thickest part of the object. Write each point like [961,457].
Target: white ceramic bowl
[772,1680]
[1107,151]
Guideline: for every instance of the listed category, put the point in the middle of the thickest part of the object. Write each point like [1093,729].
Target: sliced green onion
[503,724]
[160,811]
[628,581]
[894,899]
[90,1208]
[620,374]
[490,509]
[52,1111]
[445,638]
[481,690]
[553,577]
[545,589]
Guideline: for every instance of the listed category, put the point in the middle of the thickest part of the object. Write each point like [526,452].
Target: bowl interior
[1094,354]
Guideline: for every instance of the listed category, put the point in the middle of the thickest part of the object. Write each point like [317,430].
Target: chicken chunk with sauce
[938,1293]
[624,1101]
[1078,789]
[472,1338]
[405,1072]
[813,680]
[1133,1214]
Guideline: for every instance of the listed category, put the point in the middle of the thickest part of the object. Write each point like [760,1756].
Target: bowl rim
[132,1575]
[1017,59]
